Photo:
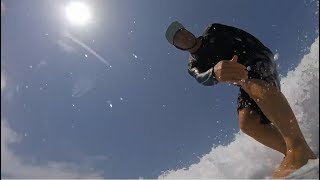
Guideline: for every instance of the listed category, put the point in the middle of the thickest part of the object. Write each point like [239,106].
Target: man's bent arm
[206,78]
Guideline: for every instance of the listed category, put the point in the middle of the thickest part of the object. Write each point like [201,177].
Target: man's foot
[292,162]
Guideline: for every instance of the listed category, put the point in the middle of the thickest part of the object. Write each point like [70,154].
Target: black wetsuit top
[222,42]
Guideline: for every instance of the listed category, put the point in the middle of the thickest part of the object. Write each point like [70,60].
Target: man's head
[181,38]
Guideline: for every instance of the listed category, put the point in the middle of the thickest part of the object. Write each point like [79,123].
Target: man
[264,113]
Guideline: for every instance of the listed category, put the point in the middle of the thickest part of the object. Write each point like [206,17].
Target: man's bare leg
[266,134]
[277,109]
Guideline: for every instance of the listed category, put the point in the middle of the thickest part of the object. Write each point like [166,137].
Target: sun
[78,13]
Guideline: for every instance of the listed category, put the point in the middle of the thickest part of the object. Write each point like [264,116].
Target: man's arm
[206,78]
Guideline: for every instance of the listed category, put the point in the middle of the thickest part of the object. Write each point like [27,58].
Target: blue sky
[145,114]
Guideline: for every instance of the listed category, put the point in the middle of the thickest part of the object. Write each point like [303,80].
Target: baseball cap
[173,28]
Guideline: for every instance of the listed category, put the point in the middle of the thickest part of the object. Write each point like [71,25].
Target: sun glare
[78,13]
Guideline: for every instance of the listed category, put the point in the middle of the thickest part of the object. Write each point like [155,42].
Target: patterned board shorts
[262,67]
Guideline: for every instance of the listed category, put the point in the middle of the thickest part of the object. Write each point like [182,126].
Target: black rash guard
[222,42]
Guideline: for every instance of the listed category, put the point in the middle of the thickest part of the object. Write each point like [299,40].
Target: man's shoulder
[216,27]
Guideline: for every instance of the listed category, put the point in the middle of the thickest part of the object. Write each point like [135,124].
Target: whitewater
[244,158]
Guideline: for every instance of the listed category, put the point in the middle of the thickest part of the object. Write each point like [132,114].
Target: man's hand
[230,71]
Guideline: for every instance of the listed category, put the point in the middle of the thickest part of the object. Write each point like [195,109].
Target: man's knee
[248,119]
